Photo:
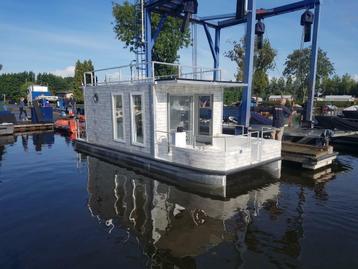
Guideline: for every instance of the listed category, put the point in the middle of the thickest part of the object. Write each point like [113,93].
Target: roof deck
[162,73]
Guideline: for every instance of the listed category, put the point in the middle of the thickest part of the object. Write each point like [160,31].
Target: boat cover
[336,123]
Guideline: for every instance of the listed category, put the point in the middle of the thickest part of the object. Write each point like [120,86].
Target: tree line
[15,85]
[295,76]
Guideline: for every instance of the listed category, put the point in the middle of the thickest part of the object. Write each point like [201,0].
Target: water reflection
[174,226]
[39,140]
[5,140]
[315,180]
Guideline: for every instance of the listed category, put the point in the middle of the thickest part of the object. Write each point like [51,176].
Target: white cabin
[171,125]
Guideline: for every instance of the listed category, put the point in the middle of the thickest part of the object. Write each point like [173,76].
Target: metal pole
[142,21]
[217,54]
[313,66]
[249,63]
[148,42]
[194,55]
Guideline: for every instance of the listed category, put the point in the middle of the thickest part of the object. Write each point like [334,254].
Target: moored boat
[351,112]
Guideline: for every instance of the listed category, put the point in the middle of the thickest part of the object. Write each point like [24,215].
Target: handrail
[249,136]
[132,72]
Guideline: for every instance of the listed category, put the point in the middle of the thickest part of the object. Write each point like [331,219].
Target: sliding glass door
[181,114]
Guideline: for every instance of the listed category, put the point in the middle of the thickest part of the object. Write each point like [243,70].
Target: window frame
[197,112]
[135,143]
[114,118]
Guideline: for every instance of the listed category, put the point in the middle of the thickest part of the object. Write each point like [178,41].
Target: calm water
[62,210]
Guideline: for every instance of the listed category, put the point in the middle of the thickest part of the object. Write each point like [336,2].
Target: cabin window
[137,119]
[205,115]
[118,117]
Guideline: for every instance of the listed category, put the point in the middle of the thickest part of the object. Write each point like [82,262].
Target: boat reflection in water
[172,224]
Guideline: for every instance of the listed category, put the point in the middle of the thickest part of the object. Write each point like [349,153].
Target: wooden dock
[6,129]
[21,128]
[310,157]
[11,129]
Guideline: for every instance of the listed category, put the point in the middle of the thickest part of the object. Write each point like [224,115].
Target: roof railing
[135,73]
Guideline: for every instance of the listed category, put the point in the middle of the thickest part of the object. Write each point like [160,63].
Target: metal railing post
[153,73]
[131,70]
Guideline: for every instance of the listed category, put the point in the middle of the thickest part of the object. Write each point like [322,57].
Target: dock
[310,147]
[11,129]
[33,127]
[6,129]
[310,157]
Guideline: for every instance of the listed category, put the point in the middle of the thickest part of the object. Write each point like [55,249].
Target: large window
[137,119]
[118,117]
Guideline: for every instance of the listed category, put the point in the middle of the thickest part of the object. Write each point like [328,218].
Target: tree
[232,95]
[22,92]
[264,60]
[0,67]
[10,83]
[170,40]
[80,69]
[278,86]
[55,83]
[297,68]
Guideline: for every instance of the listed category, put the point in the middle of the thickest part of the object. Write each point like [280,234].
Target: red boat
[69,125]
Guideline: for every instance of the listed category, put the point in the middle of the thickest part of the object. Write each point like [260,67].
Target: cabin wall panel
[99,116]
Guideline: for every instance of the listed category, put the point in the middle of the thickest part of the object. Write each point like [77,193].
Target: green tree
[264,60]
[10,84]
[278,86]
[80,69]
[170,40]
[297,68]
[232,96]
[55,83]
[23,90]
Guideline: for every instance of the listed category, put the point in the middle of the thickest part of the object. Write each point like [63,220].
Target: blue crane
[246,12]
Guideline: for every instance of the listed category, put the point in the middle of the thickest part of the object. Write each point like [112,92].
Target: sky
[49,36]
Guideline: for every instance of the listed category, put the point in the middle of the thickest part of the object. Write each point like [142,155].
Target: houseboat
[169,126]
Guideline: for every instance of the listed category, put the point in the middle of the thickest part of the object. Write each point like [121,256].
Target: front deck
[226,153]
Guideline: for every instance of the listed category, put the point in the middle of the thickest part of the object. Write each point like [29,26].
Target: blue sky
[49,36]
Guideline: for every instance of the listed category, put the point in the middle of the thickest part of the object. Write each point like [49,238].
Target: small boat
[351,112]
[67,125]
